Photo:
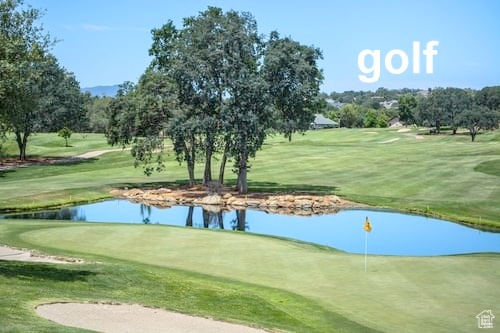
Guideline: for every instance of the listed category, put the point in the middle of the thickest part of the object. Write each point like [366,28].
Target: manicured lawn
[273,283]
[444,175]
[269,282]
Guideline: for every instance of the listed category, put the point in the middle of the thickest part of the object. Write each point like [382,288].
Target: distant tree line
[436,108]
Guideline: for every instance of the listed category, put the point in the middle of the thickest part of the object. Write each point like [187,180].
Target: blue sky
[106,42]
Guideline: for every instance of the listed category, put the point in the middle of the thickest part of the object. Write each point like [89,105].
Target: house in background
[395,122]
[393,104]
[321,122]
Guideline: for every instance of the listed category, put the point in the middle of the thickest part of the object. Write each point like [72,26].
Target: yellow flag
[368,226]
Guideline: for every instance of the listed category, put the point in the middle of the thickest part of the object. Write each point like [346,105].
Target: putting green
[395,294]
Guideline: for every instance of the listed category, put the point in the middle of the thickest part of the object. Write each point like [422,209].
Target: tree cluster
[437,108]
[215,88]
[36,94]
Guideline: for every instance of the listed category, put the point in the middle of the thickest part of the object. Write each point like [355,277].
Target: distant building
[321,122]
[333,103]
[395,122]
[393,104]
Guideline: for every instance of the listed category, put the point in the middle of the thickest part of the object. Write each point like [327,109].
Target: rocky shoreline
[293,204]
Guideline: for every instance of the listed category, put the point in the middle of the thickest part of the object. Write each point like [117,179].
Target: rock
[227,196]
[133,193]
[238,202]
[214,199]
[302,203]
[211,208]
[253,202]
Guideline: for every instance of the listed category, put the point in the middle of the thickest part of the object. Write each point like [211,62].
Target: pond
[392,233]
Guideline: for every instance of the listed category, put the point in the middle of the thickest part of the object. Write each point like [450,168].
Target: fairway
[267,282]
[443,175]
[396,293]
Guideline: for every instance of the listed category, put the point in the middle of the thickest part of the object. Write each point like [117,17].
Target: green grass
[442,175]
[269,282]
[51,145]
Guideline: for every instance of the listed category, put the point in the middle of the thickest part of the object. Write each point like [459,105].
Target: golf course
[276,284]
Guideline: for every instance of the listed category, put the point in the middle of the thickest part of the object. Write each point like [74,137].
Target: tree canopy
[215,86]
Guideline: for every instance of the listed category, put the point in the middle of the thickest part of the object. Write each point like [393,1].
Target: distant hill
[109,91]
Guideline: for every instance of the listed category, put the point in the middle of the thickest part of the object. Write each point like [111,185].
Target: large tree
[294,79]
[24,67]
[220,95]
[406,108]
[477,118]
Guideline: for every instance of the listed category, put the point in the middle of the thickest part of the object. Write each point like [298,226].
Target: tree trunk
[473,133]
[438,126]
[207,175]
[22,141]
[190,154]
[223,164]
[242,185]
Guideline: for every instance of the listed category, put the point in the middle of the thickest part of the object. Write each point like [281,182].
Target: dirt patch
[133,318]
[13,254]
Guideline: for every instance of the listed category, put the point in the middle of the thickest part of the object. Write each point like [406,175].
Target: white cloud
[95,27]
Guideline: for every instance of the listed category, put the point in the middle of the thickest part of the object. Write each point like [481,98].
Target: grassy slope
[446,175]
[318,287]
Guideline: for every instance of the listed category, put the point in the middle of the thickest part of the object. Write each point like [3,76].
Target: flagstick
[366,247]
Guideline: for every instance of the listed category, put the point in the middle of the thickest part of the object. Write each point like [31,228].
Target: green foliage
[97,110]
[35,93]
[406,109]
[477,118]
[65,133]
[293,77]
[207,91]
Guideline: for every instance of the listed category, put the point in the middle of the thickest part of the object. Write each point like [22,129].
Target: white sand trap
[390,140]
[418,137]
[370,132]
[133,318]
[8,253]
[402,130]
[92,154]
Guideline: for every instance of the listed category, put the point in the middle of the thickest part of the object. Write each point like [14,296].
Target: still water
[392,233]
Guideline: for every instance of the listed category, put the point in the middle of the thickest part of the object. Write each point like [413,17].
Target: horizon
[105,45]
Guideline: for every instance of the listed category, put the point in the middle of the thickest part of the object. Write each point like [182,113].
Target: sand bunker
[133,318]
[390,140]
[402,130]
[8,253]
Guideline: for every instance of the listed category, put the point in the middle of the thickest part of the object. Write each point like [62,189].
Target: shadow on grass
[253,186]
[40,271]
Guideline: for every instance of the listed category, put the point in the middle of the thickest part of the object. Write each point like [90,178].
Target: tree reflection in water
[69,213]
[240,222]
[145,213]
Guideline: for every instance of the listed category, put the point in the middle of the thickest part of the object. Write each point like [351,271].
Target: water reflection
[70,213]
[392,234]
[145,212]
